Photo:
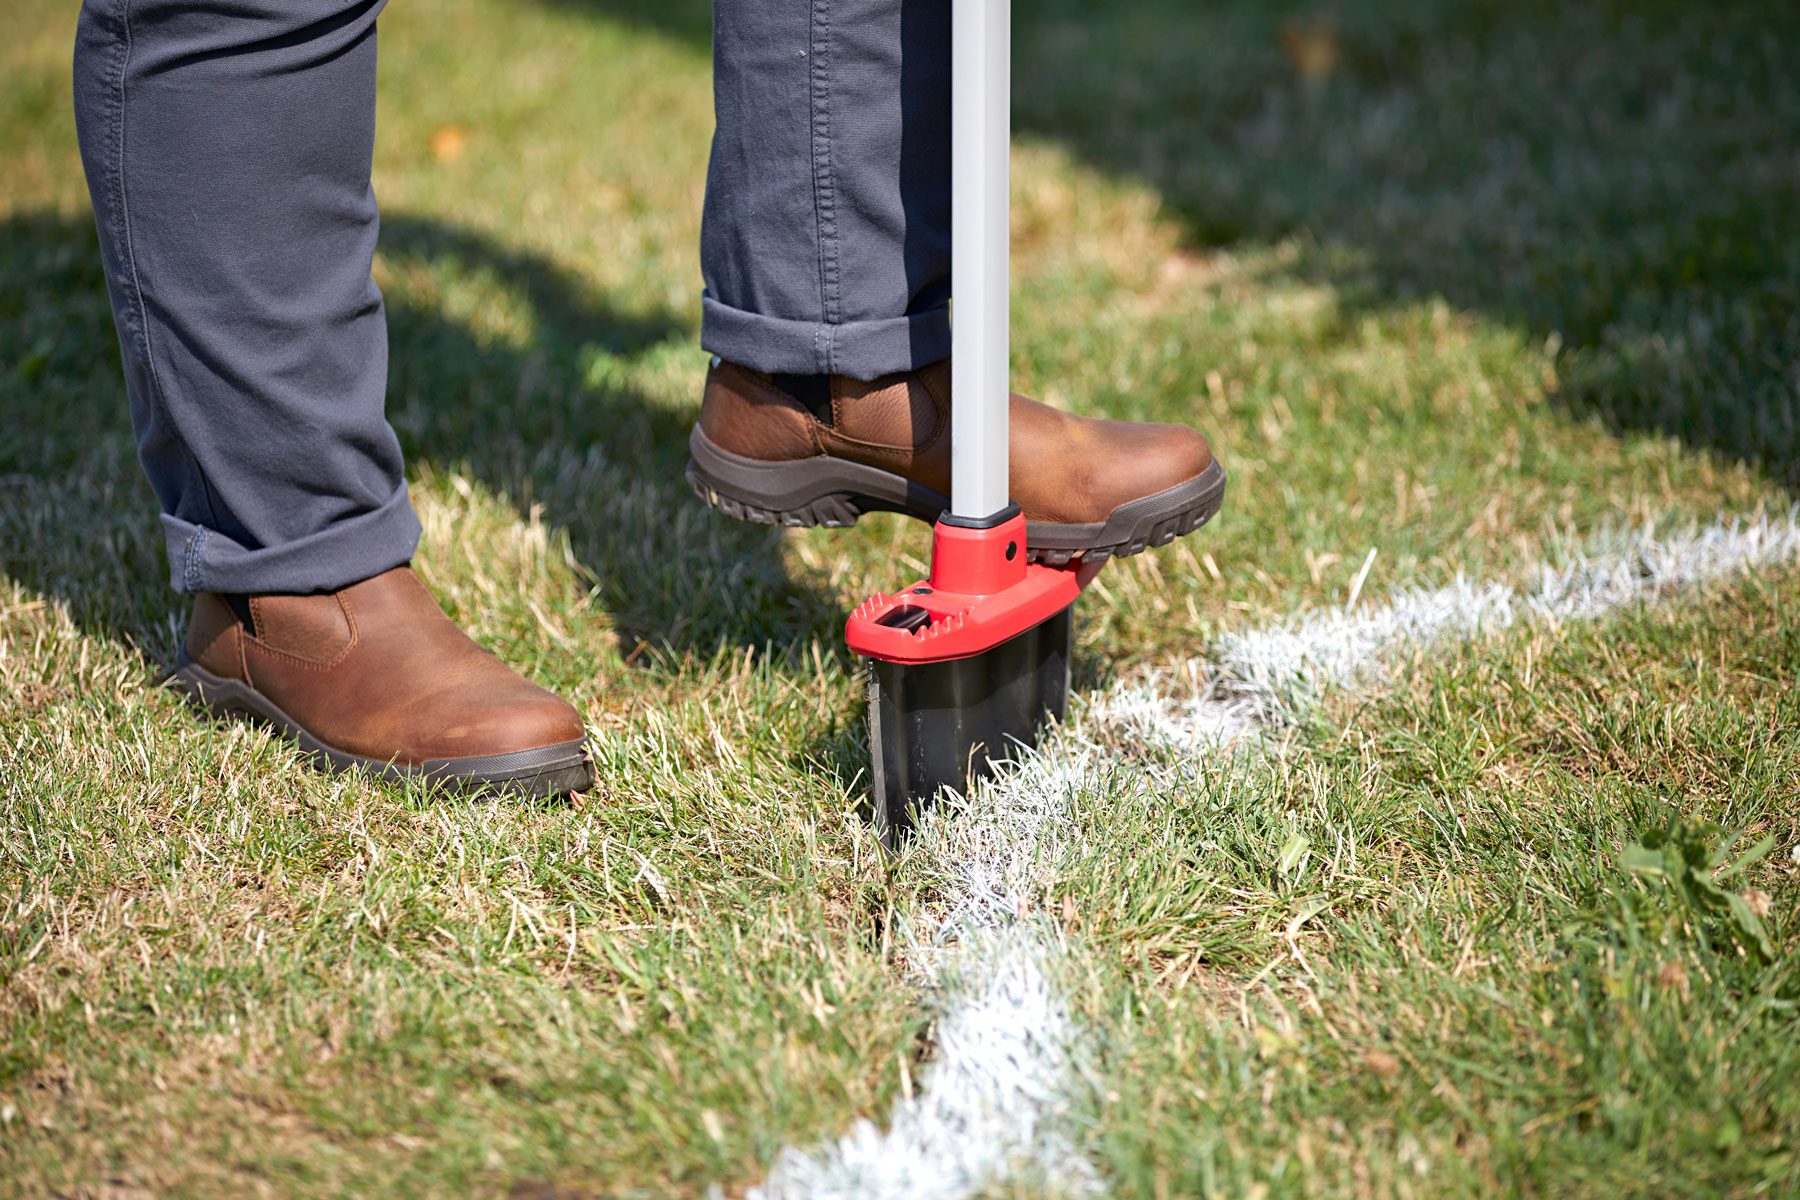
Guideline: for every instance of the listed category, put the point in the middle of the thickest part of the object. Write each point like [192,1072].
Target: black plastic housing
[943,725]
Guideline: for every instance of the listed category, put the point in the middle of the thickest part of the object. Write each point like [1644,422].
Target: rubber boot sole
[835,492]
[522,774]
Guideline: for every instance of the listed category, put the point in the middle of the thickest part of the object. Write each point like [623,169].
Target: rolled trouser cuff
[860,349]
[350,551]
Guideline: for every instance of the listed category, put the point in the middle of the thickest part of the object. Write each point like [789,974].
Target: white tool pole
[980,142]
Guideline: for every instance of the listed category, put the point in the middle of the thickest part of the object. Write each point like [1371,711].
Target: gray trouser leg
[227,145]
[826,243]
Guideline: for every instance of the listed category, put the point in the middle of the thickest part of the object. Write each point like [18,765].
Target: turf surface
[1460,285]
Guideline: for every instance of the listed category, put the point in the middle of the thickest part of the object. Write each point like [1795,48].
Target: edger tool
[966,666]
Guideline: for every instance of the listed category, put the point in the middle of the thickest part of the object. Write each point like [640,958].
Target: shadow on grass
[1614,180]
[551,423]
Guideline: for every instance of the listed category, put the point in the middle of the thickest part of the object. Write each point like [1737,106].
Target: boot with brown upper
[823,450]
[376,677]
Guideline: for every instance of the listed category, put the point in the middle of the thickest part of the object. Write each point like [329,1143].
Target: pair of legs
[228,146]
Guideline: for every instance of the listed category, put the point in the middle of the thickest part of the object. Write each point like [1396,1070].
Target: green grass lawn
[1463,285]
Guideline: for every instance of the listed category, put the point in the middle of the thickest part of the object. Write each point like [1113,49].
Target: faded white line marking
[1266,678]
[993,1106]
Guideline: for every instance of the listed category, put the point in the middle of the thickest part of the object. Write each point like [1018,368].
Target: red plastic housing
[981,593]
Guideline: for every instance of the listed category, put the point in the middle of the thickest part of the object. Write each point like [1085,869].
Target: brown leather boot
[376,676]
[1090,489]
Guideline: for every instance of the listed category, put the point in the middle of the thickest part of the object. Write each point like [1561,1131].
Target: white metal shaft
[980,141]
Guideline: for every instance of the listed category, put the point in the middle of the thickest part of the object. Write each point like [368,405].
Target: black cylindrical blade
[943,725]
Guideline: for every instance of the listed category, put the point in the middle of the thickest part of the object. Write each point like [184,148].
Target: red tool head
[981,593]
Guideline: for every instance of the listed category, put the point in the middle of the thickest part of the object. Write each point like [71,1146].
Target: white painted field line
[997,1102]
[1266,678]
[993,1108]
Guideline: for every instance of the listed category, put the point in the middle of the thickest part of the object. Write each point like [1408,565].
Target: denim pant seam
[120,219]
[824,181]
[192,559]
